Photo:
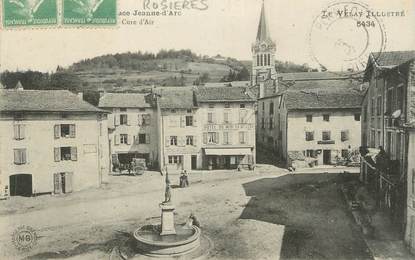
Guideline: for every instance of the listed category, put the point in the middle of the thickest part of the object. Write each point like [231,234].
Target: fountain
[168,239]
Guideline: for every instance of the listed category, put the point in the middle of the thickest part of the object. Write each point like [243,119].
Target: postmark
[89,12]
[20,13]
[24,238]
[344,34]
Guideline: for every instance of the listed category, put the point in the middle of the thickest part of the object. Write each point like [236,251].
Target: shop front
[227,158]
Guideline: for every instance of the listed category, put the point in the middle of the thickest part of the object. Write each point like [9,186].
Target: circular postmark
[344,34]
[24,238]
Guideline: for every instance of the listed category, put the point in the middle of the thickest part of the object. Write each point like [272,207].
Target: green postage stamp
[89,12]
[29,12]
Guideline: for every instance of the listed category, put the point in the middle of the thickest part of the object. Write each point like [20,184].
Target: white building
[50,142]
[132,127]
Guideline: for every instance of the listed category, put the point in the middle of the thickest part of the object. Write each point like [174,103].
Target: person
[184,182]
[195,221]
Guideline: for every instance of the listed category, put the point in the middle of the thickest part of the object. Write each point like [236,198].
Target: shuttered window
[344,135]
[20,156]
[65,153]
[309,136]
[19,132]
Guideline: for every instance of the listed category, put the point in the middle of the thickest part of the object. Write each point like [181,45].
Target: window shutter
[194,121]
[111,121]
[117,120]
[214,118]
[181,140]
[140,119]
[57,154]
[217,137]
[57,130]
[167,141]
[182,121]
[16,156]
[16,132]
[57,183]
[23,156]
[116,139]
[128,120]
[194,140]
[147,138]
[128,139]
[74,154]
[72,130]
[204,138]
[68,182]
[246,136]
[240,137]
[22,132]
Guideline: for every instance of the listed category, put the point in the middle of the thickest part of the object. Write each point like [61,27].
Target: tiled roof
[223,94]
[330,85]
[300,76]
[176,98]
[392,58]
[130,100]
[299,100]
[229,84]
[43,101]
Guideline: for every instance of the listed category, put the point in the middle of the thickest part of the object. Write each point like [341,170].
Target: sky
[227,27]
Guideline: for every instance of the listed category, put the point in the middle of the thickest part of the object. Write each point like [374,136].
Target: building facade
[132,127]
[50,142]
[323,118]
[388,114]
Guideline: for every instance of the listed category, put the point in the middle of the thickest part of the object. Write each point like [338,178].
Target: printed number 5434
[365,24]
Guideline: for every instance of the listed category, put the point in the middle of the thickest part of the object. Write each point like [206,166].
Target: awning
[228,151]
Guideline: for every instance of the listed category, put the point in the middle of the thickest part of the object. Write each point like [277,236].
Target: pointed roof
[19,86]
[263,33]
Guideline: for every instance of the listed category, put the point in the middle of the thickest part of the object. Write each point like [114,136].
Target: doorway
[21,185]
[326,156]
[63,182]
[194,162]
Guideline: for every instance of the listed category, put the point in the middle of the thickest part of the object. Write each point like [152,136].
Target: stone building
[388,121]
[226,116]
[132,127]
[313,120]
[51,141]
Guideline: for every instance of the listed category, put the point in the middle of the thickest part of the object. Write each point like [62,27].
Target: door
[57,187]
[194,162]
[68,182]
[21,185]
[326,156]
[227,162]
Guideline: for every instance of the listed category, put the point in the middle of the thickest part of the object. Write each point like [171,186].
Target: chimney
[80,95]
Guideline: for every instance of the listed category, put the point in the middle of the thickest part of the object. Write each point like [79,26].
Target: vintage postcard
[207,129]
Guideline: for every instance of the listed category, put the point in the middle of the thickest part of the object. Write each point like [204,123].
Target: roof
[263,33]
[300,76]
[328,85]
[12,100]
[176,98]
[130,100]
[392,58]
[223,94]
[229,84]
[300,100]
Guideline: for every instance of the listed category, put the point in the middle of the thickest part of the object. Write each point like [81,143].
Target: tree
[243,74]
[65,80]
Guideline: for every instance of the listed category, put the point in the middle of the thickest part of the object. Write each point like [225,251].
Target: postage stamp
[89,12]
[349,31]
[24,238]
[29,13]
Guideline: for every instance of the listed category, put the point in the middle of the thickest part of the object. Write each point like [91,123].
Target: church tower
[263,54]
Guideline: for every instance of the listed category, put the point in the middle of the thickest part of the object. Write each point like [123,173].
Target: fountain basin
[149,241]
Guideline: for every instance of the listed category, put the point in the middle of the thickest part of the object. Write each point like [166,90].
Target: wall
[91,142]
[339,121]
[410,228]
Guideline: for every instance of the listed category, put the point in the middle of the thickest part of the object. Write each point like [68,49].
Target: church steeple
[263,53]
[263,33]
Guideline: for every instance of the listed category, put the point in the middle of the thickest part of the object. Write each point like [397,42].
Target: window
[65,154]
[309,118]
[400,99]
[189,120]
[212,137]
[389,100]
[263,106]
[326,117]
[123,110]
[389,143]
[123,119]
[124,138]
[142,138]
[226,138]
[326,135]
[211,105]
[146,119]
[20,156]
[271,108]
[173,140]
[227,105]
[141,109]
[356,117]
[189,140]
[189,111]
[226,117]
[19,132]
[344,135]
[243,137]
[243,116]
[309,136]
[173,111]
[398,146]
[210,118]
[309,153]
[379,105]
[271,123]
[65,131]
[175,159]
[413,181]
[263,123]
[242,106]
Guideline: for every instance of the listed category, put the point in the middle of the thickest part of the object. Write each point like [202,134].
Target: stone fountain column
[167,219]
